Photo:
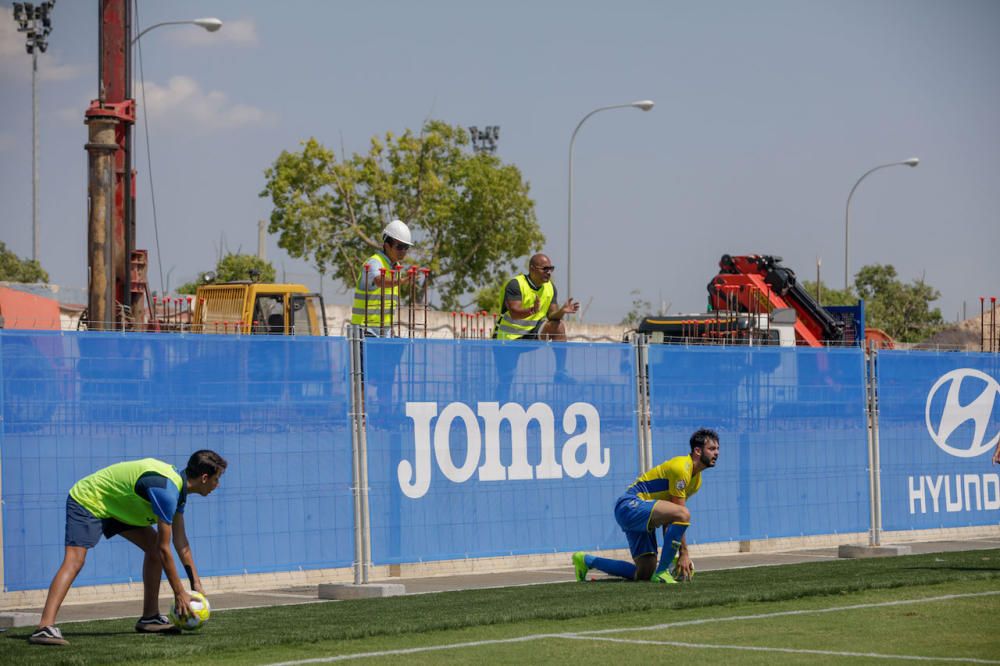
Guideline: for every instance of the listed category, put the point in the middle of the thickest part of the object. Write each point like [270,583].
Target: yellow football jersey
[672,478]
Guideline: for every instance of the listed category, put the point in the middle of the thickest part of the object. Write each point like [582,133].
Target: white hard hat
[397,230]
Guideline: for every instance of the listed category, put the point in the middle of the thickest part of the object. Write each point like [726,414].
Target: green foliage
[233,267]
[15,269]
[640,308]
[471,215]
[828,296]
[901,310]
[488,298]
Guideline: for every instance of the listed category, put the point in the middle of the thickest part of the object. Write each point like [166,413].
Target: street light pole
[912,162]
[644,105]
[210,24]
[35,20]
[35,232]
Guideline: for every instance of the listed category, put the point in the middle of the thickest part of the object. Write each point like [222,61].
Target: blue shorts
[633,514]
[84,529]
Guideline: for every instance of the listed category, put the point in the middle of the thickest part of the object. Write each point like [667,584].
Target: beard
[707,460]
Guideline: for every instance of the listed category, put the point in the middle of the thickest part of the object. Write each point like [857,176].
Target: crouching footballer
[129,498]
[658,498]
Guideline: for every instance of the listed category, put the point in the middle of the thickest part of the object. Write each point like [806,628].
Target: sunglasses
[397,244]
[545,269]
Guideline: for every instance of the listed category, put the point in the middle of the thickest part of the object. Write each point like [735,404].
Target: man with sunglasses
[530,310]
[376,293]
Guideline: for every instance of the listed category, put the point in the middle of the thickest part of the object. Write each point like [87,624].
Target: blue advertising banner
[793,439]
[277,408]
[939,423]
[486,448]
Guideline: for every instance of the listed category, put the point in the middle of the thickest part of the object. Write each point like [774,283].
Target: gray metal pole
[912,162]
[870,420]
[644,105]
[877,473]
[639,403]
[357,424]
[34,155]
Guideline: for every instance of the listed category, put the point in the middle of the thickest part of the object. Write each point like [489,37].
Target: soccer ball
[199,604]
[676,573]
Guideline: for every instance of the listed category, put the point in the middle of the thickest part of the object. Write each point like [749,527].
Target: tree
[830,296]
[488,298]
[233,267]
[901,310]
[471,215]
[640,308]
[15,269]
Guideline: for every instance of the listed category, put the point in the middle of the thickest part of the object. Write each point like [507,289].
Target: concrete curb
[857,551]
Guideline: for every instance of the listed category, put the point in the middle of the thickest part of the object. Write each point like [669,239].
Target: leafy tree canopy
[233,267]
[15,269]
[901,310]
[470,214]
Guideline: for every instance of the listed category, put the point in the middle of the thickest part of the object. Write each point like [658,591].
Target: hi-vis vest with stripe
[110,492]
[368,309]
[509,328]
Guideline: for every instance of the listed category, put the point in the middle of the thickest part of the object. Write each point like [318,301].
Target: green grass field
[938,608]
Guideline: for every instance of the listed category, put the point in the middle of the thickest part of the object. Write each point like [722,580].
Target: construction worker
[529,310]
[376,301]
[376,294]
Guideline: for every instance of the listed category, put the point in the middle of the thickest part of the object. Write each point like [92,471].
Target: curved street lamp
[210,24]
[644,105]
[912,162]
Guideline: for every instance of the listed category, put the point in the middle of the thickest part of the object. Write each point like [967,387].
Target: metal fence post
[354,338]
[641,347]
[877,473]
[874,489]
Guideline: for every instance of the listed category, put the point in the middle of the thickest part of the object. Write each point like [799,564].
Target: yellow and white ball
[199,604]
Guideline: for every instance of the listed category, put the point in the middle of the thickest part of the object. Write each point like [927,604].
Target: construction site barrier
[355,452]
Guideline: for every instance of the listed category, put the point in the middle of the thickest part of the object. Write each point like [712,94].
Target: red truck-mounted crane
[759,283]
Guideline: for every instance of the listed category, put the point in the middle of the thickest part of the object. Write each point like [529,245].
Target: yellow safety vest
[110,492]
[509,328]
[374,307]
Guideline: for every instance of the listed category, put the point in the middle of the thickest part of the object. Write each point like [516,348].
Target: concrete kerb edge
[10,601]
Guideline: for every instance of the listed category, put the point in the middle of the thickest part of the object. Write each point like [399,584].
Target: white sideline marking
[753,648]
[765,616]
[594,634]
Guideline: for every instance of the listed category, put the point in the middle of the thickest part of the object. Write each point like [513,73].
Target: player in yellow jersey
[658,498]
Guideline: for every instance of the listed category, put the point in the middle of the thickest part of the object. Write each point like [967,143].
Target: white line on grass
[593,634]
[808,611]
[751,648]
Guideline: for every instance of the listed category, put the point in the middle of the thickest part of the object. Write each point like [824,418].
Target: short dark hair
[702,436]
[205,462]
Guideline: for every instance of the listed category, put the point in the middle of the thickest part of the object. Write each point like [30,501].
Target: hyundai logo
[949,416]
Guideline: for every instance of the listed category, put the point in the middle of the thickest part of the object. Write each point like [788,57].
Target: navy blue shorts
[84,529]
[633,514]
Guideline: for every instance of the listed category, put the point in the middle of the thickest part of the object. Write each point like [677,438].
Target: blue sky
[766,115]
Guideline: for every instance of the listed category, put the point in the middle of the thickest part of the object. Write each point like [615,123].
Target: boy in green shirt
[129,498]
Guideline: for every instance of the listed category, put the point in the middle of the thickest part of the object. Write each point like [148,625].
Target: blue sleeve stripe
[650,486]
[164,502]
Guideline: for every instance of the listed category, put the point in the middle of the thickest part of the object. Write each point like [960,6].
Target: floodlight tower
[36,21]
[485,141]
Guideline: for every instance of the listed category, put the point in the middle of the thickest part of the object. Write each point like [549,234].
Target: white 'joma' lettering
[482,444]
